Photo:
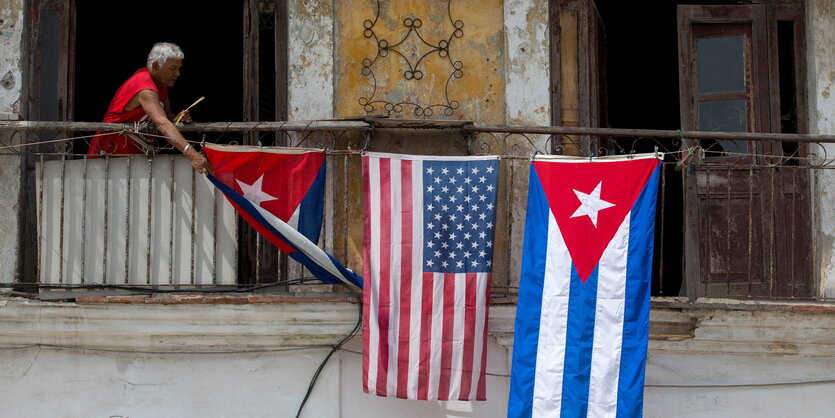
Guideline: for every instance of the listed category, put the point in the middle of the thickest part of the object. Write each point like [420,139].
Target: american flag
[429,226]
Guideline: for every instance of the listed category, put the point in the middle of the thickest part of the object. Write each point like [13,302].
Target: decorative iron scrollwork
[413,69]
[266,6]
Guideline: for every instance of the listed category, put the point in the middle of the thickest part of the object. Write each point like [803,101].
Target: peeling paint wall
[11,31]
[502,52]
[821,62]
[310,60]
[528,62]
[461,77]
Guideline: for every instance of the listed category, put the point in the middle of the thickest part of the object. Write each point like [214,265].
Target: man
[145,95]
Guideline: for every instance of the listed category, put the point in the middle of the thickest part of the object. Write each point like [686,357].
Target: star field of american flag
[459,215]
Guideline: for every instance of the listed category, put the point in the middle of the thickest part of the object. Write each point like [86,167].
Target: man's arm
[167,107]
[149,100]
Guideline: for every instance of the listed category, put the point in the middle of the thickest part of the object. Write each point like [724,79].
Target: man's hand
[199,162]
[184,117]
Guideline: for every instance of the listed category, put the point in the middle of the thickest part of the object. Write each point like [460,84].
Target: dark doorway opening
[113,40]
[643,93]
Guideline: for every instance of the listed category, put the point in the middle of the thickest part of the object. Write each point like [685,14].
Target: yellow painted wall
[478,93]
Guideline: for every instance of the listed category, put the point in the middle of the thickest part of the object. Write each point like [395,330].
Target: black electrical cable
[334,349]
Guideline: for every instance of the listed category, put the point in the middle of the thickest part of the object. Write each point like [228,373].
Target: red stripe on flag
[425,334]
[385,275]
[470,311]
[366,260]
[448,337]
[405,278]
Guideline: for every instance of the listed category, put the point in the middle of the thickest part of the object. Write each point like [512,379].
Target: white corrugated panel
[186,236]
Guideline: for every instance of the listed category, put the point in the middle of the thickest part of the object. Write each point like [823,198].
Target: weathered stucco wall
[462,79]
[310,60]
[11,30]
[229,359]
[821,61]
[528,62]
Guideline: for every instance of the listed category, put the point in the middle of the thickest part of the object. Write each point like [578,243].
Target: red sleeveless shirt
[119,144]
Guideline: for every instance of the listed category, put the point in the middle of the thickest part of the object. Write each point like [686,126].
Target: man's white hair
[162,51]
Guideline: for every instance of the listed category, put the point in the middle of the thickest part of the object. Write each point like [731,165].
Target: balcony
[731,223]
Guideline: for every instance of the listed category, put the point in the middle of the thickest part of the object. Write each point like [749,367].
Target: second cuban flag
[280,193]
[582,320]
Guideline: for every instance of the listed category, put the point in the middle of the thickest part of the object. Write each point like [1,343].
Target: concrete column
[11,31]
[821,76]
[310,60]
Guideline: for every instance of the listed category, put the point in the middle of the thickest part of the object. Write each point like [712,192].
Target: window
[733,225]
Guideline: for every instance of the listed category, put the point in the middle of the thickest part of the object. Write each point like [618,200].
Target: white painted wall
[11,30]
[820,41]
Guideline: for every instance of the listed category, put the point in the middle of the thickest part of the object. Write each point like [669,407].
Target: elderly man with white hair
[145,95]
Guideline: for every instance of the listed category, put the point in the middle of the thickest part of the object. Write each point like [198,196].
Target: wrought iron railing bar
[794,196]
[104,247]
[661,244]
[150,218]
[728,232]
[258,259]
[369,124]
[509,219]
[193,219]
[40,220]
[63,208]
[706,272]
[235,233]
[215,204]
[772,236]
[172,226]
[84,219]
[345,223]
[750,226]
[129,180]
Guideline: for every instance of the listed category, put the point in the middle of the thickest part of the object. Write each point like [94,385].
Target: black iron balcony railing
[738,213]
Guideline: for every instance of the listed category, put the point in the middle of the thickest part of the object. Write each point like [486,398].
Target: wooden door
[747,229]
[578,72]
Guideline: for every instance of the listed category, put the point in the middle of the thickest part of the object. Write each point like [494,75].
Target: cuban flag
[280,193]
[582,319]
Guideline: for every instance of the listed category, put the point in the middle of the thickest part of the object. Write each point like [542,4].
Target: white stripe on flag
[394,282]
[457,336]
[417,278]
[305,246]
[608,330]
[373,282]
[550,354]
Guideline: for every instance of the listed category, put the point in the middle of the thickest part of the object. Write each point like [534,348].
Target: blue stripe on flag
[529,305]
[636,312]
[317,269]
[311,207]
[582,304]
